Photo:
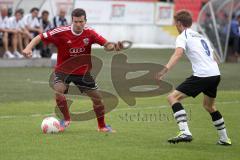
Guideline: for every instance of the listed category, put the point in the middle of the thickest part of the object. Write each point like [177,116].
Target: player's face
[45,17]
[62,13]
[78,24]
[18,16]
[35,13]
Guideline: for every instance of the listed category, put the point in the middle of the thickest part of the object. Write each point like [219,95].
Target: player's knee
[60,88]
[97,100]
[171,98]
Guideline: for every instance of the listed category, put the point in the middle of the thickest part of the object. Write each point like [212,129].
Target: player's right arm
[27,52]
[179,51]
[46,37]
[171,63]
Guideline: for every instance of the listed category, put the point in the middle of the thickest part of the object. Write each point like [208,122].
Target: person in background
[60,20]
[234,39]
[16,27]
[44,21]
[32,29]
[4,31]
[46,25]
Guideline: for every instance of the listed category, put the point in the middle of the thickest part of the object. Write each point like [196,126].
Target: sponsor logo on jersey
[74,51]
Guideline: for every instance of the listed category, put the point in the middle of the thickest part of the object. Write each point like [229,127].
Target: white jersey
[199,52]
[14,24]
[4,22]
[28,20]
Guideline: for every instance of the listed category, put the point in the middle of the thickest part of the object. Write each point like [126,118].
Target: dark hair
[45,12]
[184,17]
[21,11]
[78,12]
[34,9]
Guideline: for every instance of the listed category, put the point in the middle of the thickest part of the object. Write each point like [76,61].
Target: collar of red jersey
[74,32]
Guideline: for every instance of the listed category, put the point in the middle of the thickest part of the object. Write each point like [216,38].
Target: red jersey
[74,50]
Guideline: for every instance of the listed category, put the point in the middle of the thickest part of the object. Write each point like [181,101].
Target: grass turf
[142,130]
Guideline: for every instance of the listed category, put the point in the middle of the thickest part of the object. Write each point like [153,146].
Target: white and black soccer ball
[50,125]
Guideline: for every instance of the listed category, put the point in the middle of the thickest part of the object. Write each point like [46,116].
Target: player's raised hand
[27,53]
[112,46]
[119,46]
[109,46]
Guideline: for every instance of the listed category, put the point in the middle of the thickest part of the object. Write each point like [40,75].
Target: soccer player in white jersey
[205,78]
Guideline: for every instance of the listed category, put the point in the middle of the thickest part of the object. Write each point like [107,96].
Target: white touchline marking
[39,82]
[137,108]
[115,110]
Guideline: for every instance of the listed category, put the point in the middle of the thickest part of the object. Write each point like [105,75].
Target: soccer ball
[50,125]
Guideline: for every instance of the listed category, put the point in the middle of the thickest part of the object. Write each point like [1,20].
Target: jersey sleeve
[97,38]
[181,42]
[50,37]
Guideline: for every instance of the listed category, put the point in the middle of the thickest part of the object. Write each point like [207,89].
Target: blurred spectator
[15,28]
[4,32]
[44,21]
[46,25]
[60,20]
[32,29]
[234,39]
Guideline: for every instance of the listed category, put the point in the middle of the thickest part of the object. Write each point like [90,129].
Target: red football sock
[99,111]
[62,105]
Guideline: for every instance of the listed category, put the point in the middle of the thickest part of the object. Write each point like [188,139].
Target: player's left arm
[108,46]
[171,63]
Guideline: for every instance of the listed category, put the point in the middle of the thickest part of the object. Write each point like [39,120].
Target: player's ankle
[186,132]
[102,125]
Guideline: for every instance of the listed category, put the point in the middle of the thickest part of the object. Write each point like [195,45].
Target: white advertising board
[117,12]
[164,13]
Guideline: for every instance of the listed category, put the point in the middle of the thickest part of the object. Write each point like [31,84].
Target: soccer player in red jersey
[73,41]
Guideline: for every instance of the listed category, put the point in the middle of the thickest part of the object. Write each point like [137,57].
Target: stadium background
[141,20]
[126,18]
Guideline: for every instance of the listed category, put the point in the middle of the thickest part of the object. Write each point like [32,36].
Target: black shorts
[193,86]
[83,82]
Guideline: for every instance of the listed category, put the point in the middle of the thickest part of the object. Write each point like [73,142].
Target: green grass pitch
[25,99]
